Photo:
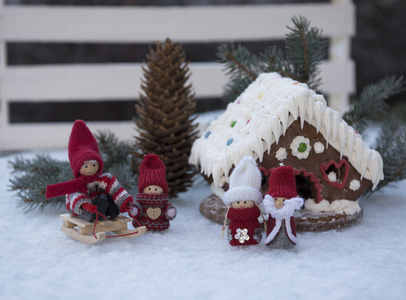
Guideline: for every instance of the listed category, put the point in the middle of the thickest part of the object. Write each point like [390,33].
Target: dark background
[378,50]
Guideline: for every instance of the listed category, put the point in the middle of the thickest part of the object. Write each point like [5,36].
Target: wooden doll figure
[281,202]
[92,191]
[152,208]
[242,200]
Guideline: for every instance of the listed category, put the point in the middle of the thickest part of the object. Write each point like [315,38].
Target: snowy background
[190,261]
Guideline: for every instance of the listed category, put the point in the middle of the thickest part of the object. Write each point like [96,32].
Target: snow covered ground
[190,261]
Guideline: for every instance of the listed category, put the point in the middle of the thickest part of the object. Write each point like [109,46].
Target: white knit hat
[245,182]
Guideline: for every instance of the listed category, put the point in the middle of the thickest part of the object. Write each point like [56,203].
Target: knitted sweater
[244,228]
[102,184]
[152,211]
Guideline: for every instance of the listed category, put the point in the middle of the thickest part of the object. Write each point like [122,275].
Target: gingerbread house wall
[349,185]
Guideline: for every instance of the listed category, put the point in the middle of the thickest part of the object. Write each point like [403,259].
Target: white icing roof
[262,113]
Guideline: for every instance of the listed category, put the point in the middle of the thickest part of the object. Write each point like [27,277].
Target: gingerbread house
[281,121]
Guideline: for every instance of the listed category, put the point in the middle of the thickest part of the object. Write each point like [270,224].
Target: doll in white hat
[242,200]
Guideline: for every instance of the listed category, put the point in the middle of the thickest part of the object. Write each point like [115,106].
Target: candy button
[230,141]
[233,123]
[302,147]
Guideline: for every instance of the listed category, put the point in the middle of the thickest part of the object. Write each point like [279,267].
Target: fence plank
[190,23]
[145,25]
[122,81]
[45,135]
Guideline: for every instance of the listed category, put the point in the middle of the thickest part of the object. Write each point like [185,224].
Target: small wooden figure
[281,202]
[242,200]
[152,208]
[92,194]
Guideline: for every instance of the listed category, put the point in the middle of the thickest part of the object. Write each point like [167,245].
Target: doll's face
[279,202]
[153,190]
[89,168]
[242,204]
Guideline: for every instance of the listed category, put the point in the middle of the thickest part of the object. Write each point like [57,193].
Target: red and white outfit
[85,189]
[281,227]
[245,183]
[153,210]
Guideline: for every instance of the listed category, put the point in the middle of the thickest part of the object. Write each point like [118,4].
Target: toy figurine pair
[244,198]
[93,193]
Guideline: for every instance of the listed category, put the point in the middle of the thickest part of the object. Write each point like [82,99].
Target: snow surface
[190,261]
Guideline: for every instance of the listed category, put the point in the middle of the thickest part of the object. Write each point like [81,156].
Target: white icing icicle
[335,119]
[342,135]
[309,105]
[350,140]
[301,104]
[292,108]
[283,117]
[318,115]
[327,123]
[276,129]
[376,169]
[365,161]
[359,150]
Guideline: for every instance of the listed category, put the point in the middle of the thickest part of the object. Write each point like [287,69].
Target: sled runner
[82,230]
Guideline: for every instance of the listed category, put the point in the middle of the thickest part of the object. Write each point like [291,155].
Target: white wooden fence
[145,25]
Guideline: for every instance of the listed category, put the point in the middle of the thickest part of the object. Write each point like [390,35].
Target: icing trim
[338,166]
[313,179]
[318,148]
[338,206]
[281,154]
[282,104]
[355,185]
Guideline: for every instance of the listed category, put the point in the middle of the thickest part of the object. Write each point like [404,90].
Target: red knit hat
[282,183]
[152,172]
[83,147]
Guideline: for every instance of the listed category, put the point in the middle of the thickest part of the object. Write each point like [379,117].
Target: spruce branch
[304,52]
[31,176]
[238,60]
[372,102]
[113,151]
[391,145]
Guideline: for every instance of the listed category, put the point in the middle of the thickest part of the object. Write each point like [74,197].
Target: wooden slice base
[214,209]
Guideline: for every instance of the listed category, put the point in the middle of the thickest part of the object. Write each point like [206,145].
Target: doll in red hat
[242,199]
[92,191]
[152,208]
[281,202]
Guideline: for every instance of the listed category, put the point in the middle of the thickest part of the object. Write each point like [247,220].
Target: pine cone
[165,114]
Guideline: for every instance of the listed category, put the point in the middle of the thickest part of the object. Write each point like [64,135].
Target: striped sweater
[104,184]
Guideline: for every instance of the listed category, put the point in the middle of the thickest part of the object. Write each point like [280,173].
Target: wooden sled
[82,230]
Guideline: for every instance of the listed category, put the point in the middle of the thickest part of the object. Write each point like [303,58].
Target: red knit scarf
[69,187]
[147,199]
[244,214]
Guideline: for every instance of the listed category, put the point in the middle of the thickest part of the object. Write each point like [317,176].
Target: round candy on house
[281,121]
